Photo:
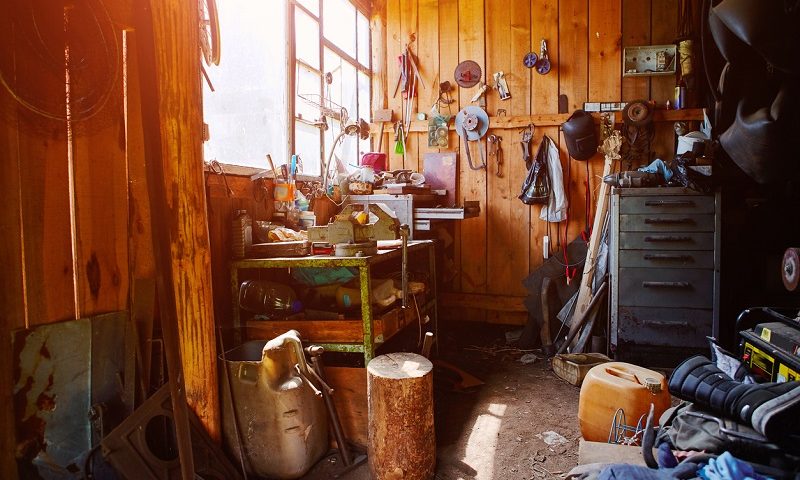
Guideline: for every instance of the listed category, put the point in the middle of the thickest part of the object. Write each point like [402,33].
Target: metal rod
[300,372]
[405,231]
[338,433]
[234,412]
[586,315]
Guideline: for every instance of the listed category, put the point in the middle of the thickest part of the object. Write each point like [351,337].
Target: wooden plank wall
[75,224]
[494,252]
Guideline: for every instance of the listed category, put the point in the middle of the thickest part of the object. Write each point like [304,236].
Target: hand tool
[496,152]
[527,135]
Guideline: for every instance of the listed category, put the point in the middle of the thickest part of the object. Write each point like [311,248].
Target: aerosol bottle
[241,233]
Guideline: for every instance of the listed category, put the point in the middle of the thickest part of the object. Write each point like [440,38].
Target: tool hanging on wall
[496,152]
[639,132]
[399,138]
[540,62]
[444,97]
[481,90]
[468,73]
[381,116]
[407,85]
[543,66]
[501,85]
[472,123]
[525,143]
[530,59]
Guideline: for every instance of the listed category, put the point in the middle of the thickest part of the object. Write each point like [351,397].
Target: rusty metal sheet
[60,371]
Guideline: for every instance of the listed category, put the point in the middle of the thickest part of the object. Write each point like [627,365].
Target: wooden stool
[402,443]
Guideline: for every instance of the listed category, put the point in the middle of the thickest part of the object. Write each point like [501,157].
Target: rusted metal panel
[60,371]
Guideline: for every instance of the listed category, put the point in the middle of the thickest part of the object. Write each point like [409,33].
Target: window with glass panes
[332,68]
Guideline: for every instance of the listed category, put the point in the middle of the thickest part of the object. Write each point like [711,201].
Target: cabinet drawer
[685,327]
[667,222]
[667,287]
[666,241]
[666,259]
[667,204]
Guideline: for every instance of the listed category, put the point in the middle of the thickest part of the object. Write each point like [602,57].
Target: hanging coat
[556,209]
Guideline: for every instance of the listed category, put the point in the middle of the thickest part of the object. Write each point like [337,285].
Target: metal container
[282,424]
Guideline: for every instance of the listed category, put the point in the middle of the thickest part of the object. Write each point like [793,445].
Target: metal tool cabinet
[664,273]
[362,335]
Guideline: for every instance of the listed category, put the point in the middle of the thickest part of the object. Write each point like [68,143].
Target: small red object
[376,160]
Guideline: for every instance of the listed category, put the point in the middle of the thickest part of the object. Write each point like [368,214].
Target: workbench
[362,335]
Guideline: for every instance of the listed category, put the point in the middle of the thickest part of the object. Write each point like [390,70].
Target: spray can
[679,101]
[241,233]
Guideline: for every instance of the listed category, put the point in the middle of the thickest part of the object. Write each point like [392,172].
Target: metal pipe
[237,432]
[405,231]
[338,433]
[586,315]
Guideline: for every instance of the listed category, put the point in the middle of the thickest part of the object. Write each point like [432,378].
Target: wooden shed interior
[131,141]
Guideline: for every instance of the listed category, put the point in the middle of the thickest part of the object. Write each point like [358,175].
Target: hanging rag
[556,210]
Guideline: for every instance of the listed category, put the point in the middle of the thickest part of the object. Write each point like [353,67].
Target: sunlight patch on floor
[482,443]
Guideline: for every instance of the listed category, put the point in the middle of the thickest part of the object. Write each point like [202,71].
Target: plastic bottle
[268,298]
[241,233]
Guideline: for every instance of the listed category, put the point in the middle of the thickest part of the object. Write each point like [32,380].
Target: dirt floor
[520,424]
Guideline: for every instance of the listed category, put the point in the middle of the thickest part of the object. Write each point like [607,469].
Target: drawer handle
[667,221]
[668,256]
[661,323]
[667,238]
[669,203]
[666,285]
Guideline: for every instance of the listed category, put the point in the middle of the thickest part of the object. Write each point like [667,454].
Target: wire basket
[623,434]
[327,108]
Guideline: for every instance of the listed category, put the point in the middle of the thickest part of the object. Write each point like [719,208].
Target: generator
[770,343]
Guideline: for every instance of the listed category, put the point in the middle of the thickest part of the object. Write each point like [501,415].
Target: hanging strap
[586,234]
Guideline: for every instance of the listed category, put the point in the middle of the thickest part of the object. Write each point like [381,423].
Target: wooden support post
[401,435]
[585,290]
[176,98]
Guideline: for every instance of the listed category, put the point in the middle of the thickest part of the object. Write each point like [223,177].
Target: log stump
[402,444]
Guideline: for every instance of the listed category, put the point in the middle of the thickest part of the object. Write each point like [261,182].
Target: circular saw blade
[468,73]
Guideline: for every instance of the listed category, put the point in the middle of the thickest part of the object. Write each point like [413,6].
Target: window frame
[294,62]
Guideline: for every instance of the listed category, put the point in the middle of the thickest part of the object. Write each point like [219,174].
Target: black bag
[536,188]
[579,133]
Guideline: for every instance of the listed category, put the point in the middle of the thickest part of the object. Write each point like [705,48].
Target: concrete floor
[499,430]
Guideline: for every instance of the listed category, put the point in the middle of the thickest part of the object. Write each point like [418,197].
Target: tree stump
[402,444]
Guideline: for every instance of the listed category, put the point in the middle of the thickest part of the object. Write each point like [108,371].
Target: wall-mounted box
[647,60]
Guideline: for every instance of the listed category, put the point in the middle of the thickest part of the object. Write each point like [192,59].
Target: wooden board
[662,88]
[350,398]
[176,38]
[605,50]
[635,31]
[428,57]
[12,295]
[508,37]
[101,206]
[499,303]
[471,46]
[394,47]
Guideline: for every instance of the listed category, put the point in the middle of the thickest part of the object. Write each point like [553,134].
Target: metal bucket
[283,427]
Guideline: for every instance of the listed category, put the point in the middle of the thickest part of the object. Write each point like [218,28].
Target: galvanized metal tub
[283,427]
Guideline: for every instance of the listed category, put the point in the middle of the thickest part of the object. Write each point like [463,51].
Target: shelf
[347,333]
[387,251]
[547,120]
